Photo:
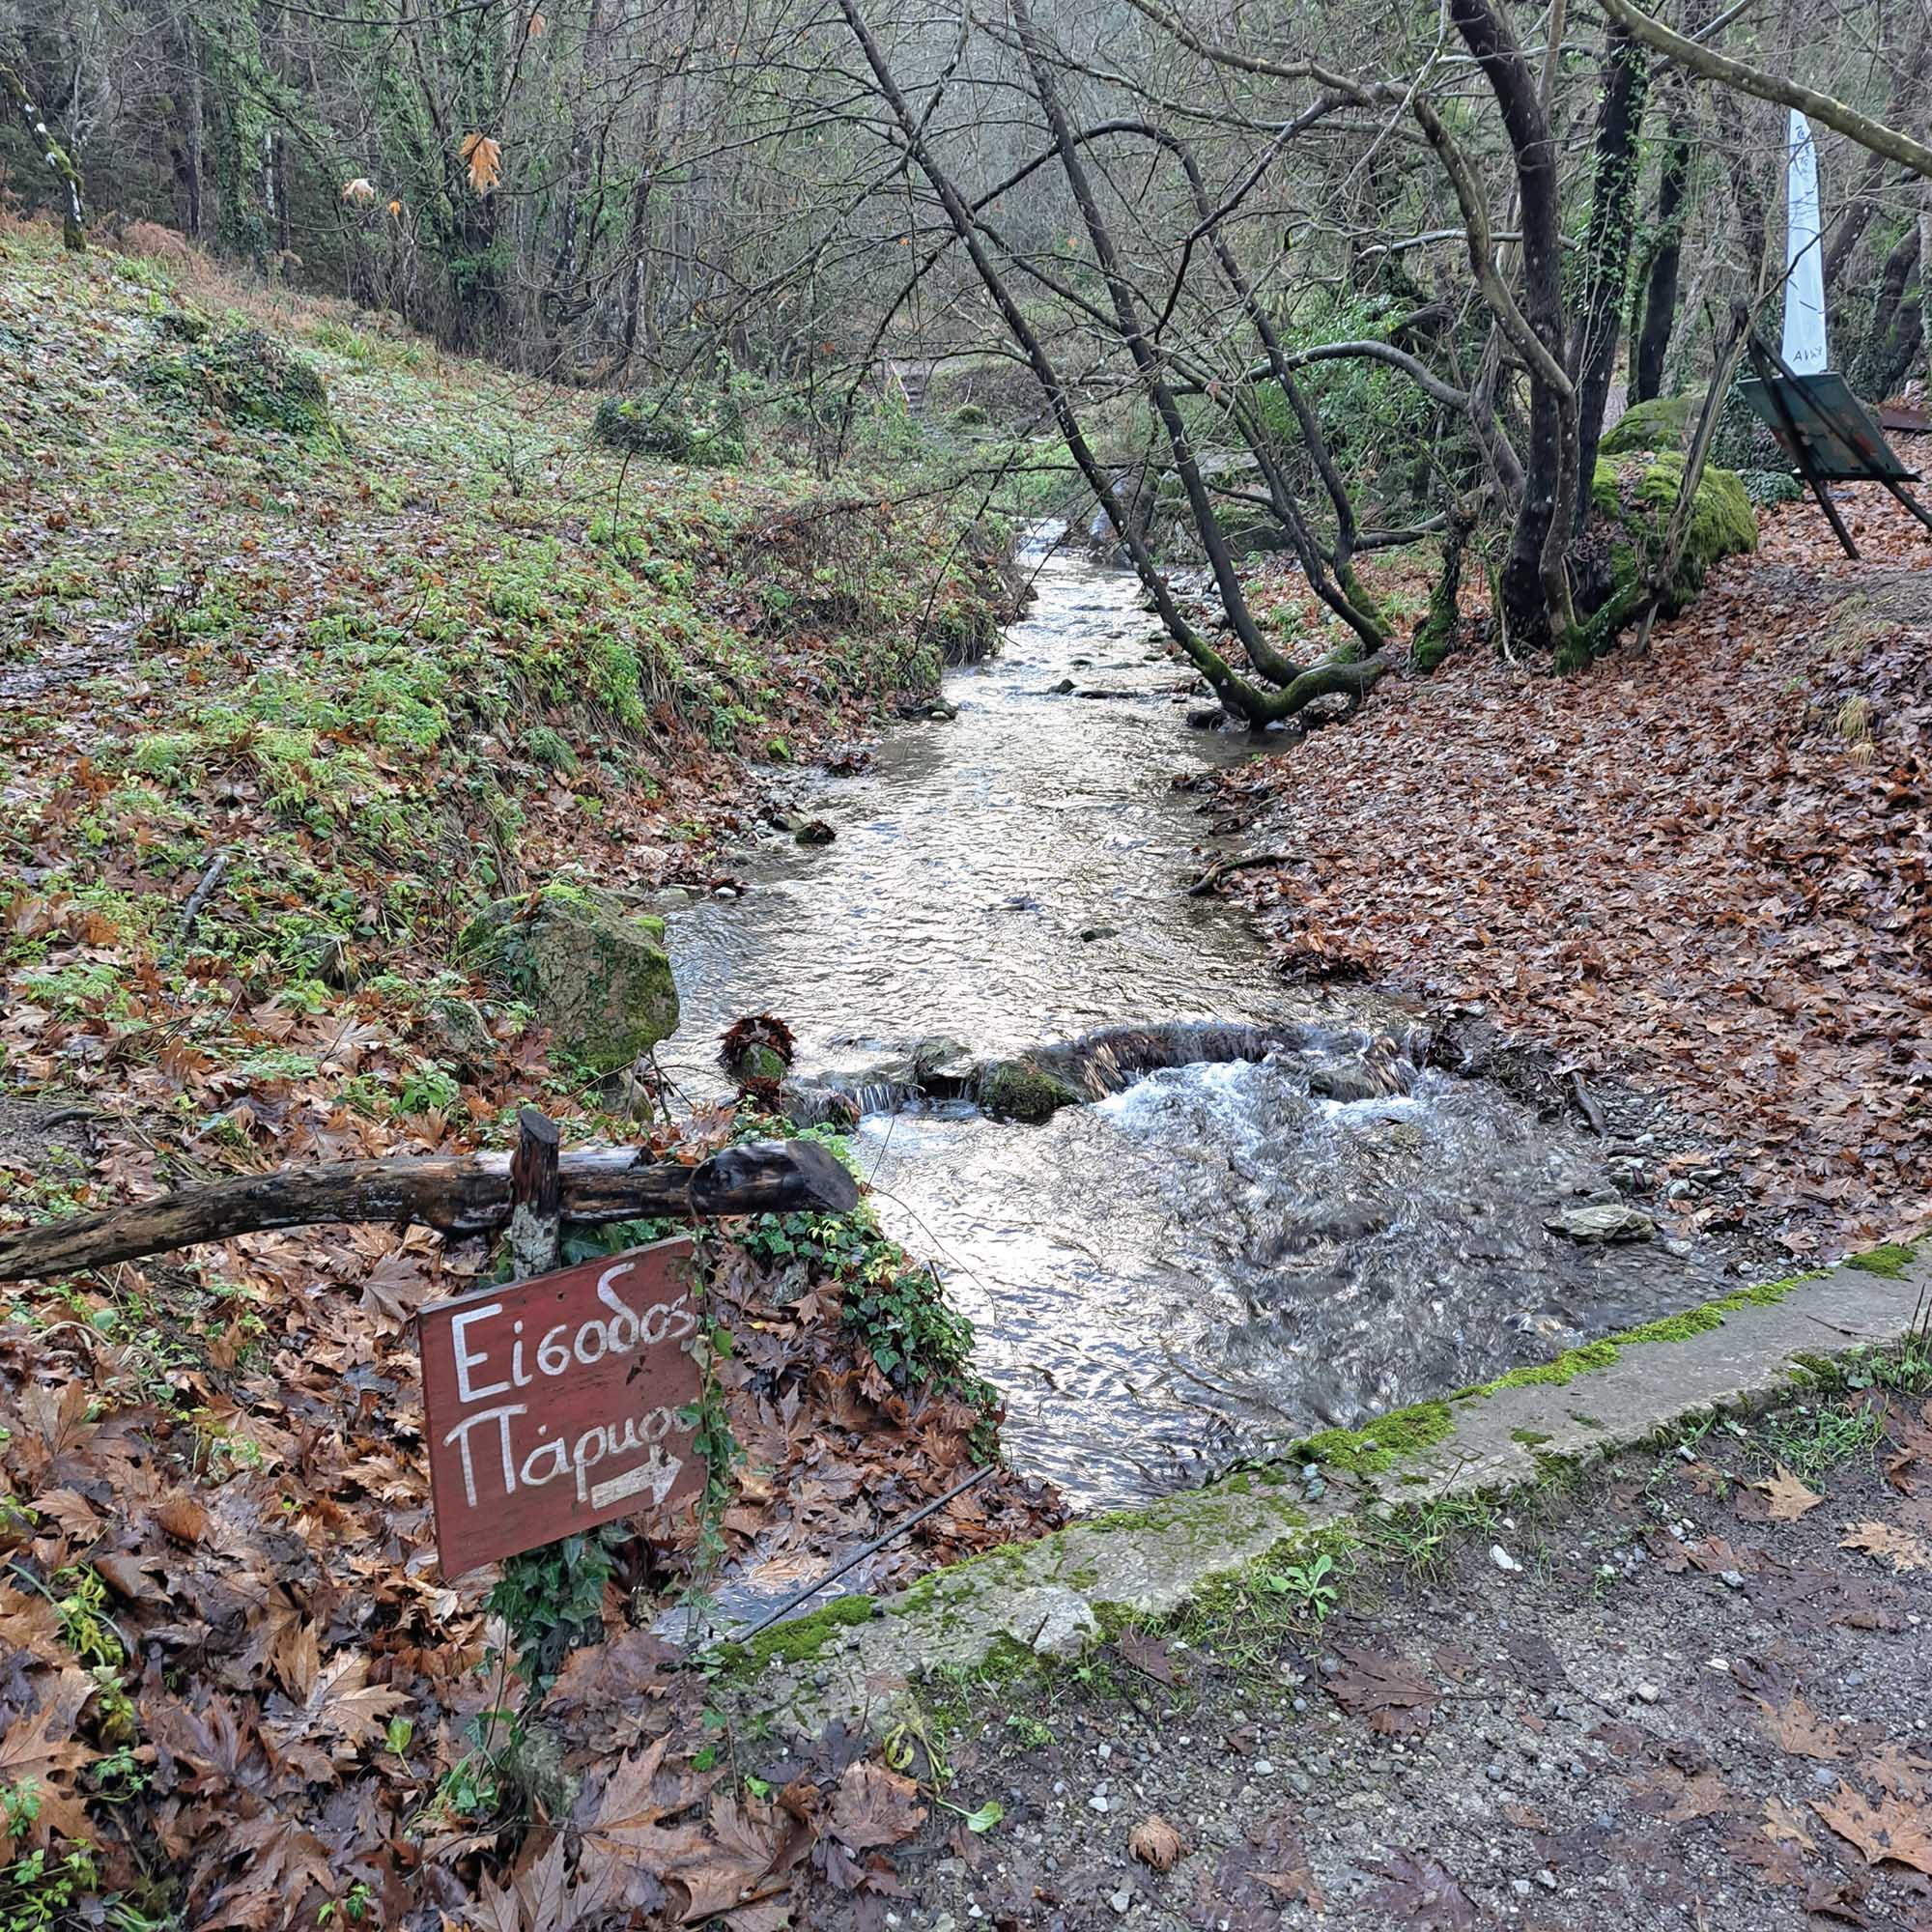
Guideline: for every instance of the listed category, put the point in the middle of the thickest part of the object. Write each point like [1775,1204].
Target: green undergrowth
[444,651]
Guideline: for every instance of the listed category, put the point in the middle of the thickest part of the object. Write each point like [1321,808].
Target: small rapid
[1222,1256]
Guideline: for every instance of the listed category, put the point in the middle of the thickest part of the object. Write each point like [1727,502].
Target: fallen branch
[199,897]
[462,1196]
[1587,1105]
[1221,868]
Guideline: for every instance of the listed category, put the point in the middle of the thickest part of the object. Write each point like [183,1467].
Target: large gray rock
[1603,1221]
[596,970]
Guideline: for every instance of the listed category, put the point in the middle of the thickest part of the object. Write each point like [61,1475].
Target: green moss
[1387,1441]
[797,1640]
[1636,499]
[1662,423]
[1015,1090]
[1890,1261]
[247,378]
[1530,1439]
[596,970]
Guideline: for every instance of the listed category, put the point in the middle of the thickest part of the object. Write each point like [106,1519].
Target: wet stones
[1602,1221]
[1015,1089]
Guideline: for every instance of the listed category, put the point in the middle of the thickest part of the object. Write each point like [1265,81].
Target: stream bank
[1225,1256]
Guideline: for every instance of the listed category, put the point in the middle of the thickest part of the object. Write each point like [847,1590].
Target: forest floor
[1706,871]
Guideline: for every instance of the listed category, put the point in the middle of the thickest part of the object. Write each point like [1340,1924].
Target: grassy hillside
[391,630]
[392,637]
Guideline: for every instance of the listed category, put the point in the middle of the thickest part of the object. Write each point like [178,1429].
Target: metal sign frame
[1829,435]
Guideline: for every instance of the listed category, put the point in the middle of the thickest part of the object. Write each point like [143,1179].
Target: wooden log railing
[467,1195]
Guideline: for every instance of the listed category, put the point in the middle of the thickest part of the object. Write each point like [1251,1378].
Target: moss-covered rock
[246,378]
[1662,423]
[596,972]
[1017,1090]
[1635,499]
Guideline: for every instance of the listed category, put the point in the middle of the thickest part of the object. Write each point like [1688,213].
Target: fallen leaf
[1798,1728]
[1891,1829]
[872,1805]
[1784,1825]
[1899,1548]
[1155,1842]
[1396,1698]
[1788,1499]
[1423,1893]
[1149,1654]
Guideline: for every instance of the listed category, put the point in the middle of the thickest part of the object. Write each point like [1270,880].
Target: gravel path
[1669,1695]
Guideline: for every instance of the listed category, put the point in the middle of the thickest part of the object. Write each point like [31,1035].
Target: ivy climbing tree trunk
[74,222]
[1593,342]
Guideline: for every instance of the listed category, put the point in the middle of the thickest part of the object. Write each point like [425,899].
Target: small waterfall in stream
[1214,1258]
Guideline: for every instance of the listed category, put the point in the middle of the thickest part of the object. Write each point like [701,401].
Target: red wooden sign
[551,1404]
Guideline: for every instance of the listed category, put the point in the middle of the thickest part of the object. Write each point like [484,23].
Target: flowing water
[1218,1259]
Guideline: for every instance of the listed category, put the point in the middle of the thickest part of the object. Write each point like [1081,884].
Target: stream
[1218,1260]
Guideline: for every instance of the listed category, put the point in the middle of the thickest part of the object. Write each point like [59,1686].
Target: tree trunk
[1535,587]
[1660,292]
[1593,345]
[73,224]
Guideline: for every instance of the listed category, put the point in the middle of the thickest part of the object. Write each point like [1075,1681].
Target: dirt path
[1690,1704]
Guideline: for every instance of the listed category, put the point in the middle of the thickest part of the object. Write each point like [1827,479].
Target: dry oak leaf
[1157,1843]
[484,158]
[1893,1829]
[1899,1548]
[1787,1496]
[874,1806]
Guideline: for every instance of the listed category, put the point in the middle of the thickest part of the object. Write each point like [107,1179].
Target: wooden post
[536,1197]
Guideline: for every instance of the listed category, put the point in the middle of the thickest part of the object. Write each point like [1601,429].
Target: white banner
[1805,347]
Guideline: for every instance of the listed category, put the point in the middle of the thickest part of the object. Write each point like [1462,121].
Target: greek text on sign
[551,1404]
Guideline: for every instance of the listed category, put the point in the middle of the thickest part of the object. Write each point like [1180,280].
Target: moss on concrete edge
[1891,1260]
[796,1640]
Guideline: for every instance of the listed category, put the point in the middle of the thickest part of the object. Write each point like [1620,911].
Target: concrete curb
[1051,1596]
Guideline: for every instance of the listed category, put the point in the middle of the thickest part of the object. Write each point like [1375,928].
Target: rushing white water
[1216,1261]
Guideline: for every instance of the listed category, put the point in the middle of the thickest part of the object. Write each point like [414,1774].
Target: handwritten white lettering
[466,1361]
